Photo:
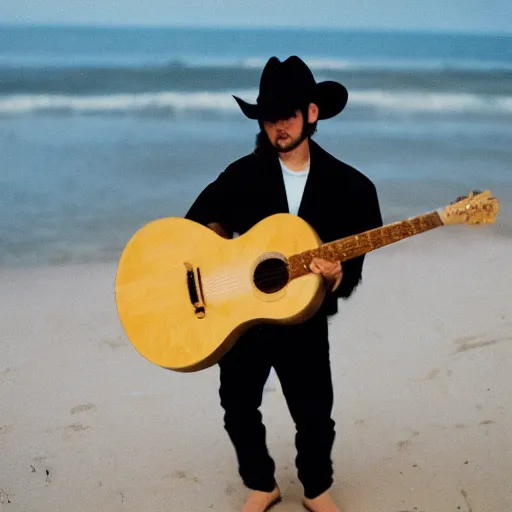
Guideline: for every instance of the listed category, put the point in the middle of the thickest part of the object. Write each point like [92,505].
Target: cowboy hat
[284,86]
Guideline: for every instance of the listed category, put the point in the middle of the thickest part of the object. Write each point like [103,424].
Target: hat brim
[330,97]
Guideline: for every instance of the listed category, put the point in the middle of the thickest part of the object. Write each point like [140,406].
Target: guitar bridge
[195,290]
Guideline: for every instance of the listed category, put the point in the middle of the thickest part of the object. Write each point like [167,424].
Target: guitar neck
[357,245]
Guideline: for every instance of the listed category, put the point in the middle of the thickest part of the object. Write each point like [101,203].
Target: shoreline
[393,208]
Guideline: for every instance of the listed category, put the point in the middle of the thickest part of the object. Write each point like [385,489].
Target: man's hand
[332,272]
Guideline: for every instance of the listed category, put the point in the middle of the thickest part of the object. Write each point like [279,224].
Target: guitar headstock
[476,208]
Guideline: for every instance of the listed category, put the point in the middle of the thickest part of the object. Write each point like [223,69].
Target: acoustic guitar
[184,294]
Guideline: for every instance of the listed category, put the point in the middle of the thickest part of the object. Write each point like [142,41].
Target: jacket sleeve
[213,204]
[372,218]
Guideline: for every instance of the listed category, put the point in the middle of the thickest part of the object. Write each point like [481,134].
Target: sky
[438,15]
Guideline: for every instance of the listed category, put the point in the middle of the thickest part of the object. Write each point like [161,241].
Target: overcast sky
[451,15]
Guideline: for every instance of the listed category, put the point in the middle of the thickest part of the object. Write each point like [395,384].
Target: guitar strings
[235,284]
[229,282]
[233,281]
[267,274]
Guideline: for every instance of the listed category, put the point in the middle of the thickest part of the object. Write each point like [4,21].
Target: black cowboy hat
[284,86]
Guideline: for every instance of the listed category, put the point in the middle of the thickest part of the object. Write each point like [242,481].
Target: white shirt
[294,182]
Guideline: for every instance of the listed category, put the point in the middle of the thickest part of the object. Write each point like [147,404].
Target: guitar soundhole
[271,275]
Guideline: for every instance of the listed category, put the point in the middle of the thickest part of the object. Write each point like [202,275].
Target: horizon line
[185,26]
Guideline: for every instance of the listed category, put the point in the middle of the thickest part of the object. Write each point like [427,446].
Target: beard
[265,145]
[284,147]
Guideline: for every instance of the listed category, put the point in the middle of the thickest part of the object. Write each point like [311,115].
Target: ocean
[105,129]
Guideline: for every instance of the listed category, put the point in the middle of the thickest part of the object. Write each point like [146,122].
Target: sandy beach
[421,358]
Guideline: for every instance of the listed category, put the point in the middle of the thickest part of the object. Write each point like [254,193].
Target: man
[288,172]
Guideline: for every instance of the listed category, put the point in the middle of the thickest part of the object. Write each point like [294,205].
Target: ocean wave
[223,103]
[347,64]
[87,81]
[433,102]
[202,101]
[316,63]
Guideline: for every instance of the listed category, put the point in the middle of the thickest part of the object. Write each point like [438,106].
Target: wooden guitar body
[184,294]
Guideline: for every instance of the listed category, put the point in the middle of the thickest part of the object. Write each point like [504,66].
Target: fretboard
[362,243]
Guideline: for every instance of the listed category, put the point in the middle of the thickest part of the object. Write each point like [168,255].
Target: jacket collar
[315,183]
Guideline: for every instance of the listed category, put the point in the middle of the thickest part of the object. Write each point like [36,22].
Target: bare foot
[259,501]
[322,503]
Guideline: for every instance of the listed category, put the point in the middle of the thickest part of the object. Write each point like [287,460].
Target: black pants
[300,357]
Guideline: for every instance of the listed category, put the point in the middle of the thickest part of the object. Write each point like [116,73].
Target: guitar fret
[357,245]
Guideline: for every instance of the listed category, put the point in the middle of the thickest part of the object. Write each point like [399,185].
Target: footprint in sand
[4,497]
[5,374]
[182,475]
[403,445]
[433,373]
[40,458]
[406,443]
[4,429]
[230,490]
[77,427]
[112,343]
[83,408]
[473,342]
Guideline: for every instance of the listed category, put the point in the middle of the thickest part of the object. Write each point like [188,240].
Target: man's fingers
[320,264]
[328,268]
[314,267]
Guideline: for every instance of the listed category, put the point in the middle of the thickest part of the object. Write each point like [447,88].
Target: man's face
[285,134]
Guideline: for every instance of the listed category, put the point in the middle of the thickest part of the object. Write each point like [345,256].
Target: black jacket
[338,201]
